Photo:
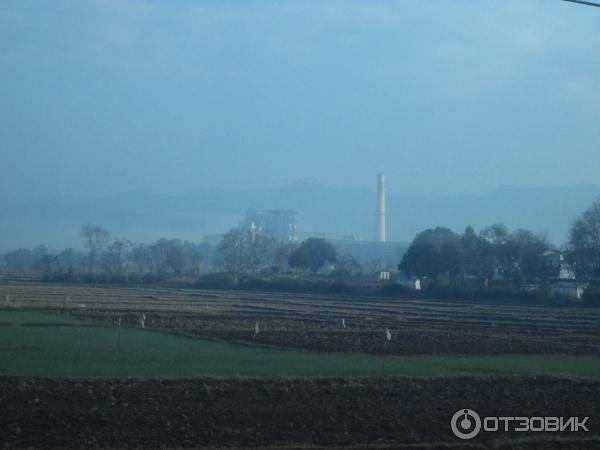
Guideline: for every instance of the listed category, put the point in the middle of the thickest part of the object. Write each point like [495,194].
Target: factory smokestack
[380,232]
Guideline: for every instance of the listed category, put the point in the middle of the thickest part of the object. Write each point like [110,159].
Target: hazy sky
[444,96]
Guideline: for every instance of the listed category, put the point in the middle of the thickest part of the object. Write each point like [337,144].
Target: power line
[584,3]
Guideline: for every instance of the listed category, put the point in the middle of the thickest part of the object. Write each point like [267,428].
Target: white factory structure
[279,224]
[282,225]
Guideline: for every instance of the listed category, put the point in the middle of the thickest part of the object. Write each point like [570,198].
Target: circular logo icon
[465,424]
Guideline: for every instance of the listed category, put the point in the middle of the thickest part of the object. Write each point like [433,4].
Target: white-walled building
[279,224]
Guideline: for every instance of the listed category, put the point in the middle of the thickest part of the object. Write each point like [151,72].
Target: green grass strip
[35,344]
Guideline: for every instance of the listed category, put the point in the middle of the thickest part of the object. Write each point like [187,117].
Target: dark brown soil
[246,413]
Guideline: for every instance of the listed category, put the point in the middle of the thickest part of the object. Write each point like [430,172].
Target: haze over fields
[294,105]
[334,212]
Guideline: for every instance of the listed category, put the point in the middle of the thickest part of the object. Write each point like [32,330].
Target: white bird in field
[256,328]
[142,319]
[388,334]
[343,324]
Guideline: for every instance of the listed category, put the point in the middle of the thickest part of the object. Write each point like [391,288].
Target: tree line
[497,257]
[494,257]
[114,257]
[240,252]
[244,252]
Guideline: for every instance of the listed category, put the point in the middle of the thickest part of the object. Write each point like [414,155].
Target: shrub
[592,295]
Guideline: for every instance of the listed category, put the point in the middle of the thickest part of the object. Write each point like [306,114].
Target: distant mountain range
[320,210]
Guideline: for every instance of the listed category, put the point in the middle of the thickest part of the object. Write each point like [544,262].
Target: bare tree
[260,250]
[195,263]
[233,249]
[175,257]
[117,257]
[159,251]
[243,251]
[141,257]
[95,239]
[281,253]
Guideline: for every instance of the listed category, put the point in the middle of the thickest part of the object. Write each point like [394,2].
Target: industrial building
[279,224]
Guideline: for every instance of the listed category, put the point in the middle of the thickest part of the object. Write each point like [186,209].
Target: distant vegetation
[583,250]
[494,256]
[313,254]
[496,259]
[115,259]
[493,262]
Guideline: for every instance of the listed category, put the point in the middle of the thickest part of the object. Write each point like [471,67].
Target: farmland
[310,321]
[42,344]
[199,375]
[295,413]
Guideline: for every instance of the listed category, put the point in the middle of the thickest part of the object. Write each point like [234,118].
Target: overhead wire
[582,2]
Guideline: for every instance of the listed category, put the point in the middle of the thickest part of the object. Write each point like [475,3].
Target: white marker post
[388,339]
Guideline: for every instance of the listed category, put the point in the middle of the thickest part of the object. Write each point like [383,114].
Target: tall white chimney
[380,231]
